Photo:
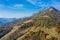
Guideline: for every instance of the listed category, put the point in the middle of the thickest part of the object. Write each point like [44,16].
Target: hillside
[6,27]
[44,25]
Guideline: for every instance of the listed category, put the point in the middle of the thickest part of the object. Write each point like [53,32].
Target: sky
[24,8]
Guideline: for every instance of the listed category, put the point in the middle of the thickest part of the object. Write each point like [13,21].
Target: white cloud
[16,6]
[41,3]
[37,3]
[13,6]
[32,1]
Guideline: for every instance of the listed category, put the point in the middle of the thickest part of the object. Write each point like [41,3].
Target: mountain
[6,20]
[49,12]
[44,25]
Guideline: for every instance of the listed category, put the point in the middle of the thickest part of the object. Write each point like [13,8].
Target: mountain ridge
[41,26]
[50,11]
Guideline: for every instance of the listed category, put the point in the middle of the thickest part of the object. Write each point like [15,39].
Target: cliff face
[41,26]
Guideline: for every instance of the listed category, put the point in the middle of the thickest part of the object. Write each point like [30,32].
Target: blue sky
[24,8]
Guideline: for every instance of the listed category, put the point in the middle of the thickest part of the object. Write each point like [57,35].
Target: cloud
[37,2]
[44,3]
[32,1]
[16,6]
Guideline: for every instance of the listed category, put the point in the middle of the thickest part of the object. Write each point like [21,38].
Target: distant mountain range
[6,20]
[44,25]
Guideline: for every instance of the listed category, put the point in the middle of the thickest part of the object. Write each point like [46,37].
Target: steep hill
[45,25]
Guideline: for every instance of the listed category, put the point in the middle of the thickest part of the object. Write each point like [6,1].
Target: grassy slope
[36,31]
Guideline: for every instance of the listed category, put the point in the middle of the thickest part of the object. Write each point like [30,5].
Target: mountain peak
[49,12]
[51,9]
